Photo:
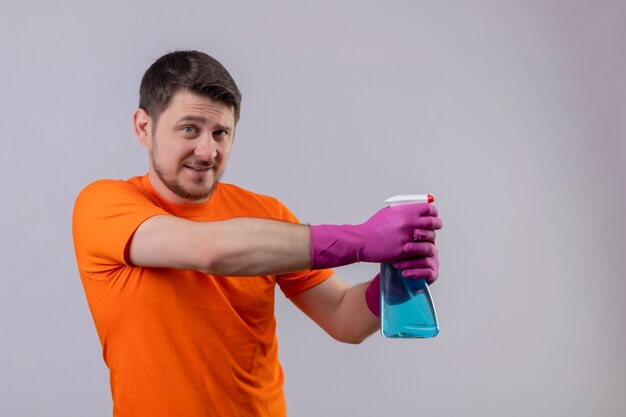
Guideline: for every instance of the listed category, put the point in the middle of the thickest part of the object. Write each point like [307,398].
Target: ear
[142,122]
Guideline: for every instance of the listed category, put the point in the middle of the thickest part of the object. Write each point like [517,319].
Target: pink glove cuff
[333,245]
[372,296]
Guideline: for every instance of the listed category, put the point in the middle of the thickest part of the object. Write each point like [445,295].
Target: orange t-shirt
[180,342]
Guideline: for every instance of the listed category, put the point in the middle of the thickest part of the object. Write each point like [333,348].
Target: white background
[512,113]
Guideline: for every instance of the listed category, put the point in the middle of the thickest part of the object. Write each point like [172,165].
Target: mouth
[199,169]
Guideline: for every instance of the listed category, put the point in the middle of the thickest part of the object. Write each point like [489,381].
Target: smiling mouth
[198,169]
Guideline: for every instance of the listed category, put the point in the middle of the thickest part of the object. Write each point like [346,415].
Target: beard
[203,191]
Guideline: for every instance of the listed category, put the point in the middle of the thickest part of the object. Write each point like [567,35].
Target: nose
[206,148]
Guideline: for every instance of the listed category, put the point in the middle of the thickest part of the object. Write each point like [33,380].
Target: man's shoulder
[111,189]
[113,184]
[253,200]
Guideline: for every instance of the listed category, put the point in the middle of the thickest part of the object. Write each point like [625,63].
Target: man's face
[189,147]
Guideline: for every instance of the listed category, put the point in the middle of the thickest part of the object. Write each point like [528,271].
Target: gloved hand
[423,267]
[389,235]
[426,267]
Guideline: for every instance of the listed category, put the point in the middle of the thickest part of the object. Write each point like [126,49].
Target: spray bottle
[407,309]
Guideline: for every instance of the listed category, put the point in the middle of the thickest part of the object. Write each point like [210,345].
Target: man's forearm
[248,247]
[339,309]
[355,321]
[236,247]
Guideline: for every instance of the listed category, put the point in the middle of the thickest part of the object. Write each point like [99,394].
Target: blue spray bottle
[407,309]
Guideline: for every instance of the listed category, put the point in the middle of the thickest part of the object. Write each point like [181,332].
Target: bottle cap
[398,200]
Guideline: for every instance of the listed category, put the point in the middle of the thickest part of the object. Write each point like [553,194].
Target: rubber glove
[372,295]
[389,235]
[424,267]
[414,268]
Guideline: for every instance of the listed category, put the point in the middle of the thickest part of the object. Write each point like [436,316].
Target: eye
[189,130]
[218,134]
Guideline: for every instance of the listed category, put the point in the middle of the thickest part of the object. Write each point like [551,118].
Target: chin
[199,193]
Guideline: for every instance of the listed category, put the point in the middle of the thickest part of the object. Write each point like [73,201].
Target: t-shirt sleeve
[296,282]
[106,214]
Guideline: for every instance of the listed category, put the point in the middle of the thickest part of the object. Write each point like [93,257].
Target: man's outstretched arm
[248,247]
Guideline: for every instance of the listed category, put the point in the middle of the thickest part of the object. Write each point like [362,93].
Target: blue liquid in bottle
[407,310]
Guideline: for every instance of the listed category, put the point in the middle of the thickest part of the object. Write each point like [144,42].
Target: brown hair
[189,70]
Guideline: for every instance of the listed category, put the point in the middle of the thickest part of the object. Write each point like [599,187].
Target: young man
[179,269]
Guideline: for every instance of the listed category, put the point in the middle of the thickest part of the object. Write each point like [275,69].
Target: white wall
[512,113]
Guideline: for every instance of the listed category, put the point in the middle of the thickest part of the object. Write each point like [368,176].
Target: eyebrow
[201,119]
[190,118]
